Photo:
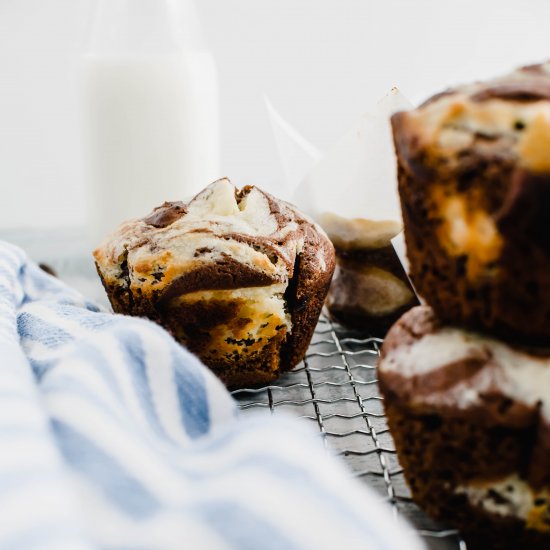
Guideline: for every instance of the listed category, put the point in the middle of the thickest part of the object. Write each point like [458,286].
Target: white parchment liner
[352,189]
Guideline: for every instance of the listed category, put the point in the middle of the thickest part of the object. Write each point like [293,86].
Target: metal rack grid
[335,386]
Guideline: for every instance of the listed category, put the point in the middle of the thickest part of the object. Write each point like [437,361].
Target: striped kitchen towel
[113,436]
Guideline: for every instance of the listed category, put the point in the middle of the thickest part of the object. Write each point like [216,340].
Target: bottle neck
[144,27]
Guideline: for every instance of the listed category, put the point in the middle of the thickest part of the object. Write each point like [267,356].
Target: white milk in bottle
[151,109]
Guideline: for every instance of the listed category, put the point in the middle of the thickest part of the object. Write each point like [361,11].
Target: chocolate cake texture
[470,416]
[474,183]
[237,276]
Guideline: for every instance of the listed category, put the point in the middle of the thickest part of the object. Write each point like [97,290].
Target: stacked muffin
[466,380]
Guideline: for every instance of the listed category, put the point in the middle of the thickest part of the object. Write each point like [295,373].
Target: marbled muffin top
[428,364]
[257,237]
[508,115]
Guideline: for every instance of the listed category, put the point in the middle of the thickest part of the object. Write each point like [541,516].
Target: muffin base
[439,454]
[369,306]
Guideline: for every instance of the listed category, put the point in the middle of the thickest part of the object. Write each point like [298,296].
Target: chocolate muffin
[370,289]
[474,183]
[237,276]
[470,417]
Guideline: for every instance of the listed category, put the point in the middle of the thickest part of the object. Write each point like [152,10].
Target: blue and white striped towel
[113,436]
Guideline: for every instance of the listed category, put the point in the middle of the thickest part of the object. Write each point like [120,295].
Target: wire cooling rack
[336,387]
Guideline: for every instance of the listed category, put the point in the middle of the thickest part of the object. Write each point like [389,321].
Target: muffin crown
[509,115]
[221,224]
[427,364]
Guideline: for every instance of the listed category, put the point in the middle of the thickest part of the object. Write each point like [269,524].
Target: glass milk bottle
[151,109]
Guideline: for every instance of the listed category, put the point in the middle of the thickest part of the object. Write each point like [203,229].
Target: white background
[322,63]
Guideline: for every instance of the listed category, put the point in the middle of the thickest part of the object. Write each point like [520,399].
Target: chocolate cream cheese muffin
[474,182]
[370,289]
[471,421]
[237,276]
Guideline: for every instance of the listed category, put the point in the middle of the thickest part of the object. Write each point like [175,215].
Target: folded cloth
[113,436]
